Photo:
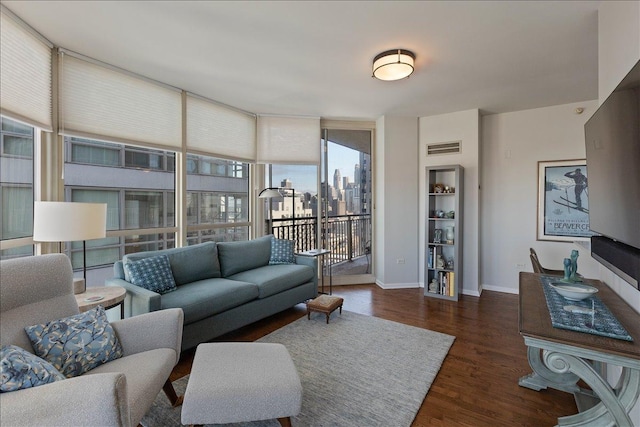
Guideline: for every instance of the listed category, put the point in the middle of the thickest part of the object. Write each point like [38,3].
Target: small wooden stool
[324,304]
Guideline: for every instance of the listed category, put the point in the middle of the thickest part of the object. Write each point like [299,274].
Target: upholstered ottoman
[240,382]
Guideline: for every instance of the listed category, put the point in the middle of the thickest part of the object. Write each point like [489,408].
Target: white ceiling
[314,57]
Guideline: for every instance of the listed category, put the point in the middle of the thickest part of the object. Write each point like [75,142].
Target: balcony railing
[346,236]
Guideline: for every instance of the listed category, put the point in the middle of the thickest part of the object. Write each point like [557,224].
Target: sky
[303,177]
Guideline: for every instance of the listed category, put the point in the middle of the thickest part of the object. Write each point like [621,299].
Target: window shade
[25,73]
[290,140]
[101,102]
[220,131]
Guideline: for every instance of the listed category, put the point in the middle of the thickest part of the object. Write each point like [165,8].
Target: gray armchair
[119,393]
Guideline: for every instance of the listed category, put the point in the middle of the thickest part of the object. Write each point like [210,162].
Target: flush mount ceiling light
[393,64]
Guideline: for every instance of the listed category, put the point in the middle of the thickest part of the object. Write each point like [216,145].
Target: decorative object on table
[571,268]
[70,222]
[450,234]
[573,291]
[574,266]
[438,188]
[437,235]
[599,322]
[433,286]
[439,262]
[450,215]
[563,205]
[567,270]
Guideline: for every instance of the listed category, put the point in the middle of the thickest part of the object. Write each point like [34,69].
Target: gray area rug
[356,371]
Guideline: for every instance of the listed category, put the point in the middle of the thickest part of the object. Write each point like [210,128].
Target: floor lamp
[271,192]
[70,222]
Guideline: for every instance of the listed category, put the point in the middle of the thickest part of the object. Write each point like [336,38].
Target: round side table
[107,296]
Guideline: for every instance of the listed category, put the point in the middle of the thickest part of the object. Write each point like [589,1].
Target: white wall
[618,43]
[512,145]
[396,202]
[461,126]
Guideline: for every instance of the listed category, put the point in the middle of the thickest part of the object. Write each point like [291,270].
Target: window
[16,184]
[217,199]
[137,184]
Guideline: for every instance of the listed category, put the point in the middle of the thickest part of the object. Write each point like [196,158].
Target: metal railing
[346,236]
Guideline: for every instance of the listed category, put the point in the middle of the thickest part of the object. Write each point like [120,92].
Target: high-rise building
[337,180]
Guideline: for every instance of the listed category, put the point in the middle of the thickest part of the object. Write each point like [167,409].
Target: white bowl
[574,291]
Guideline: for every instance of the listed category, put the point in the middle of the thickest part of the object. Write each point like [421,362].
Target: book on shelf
[446,283]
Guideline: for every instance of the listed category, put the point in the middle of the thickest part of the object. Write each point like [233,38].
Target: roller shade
[25,73]
[289,140]
[219,130]
[99,101]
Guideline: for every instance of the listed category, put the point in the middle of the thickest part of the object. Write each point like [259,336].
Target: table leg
[542,377]
[614,403]
[610,406]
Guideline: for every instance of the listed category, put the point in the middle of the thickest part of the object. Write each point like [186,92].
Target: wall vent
[450,147]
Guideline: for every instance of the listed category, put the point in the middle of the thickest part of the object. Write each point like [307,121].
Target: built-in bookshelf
[444,203]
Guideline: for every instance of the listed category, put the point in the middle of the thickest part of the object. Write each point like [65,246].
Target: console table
[560,358]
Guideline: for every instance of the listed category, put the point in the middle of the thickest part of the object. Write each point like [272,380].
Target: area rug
[356,371]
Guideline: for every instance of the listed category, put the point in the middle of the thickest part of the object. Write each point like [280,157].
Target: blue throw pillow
[282,251]
[153,273]
[76,344]
[21,369]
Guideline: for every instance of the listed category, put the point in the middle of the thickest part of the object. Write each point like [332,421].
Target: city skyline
[304,177]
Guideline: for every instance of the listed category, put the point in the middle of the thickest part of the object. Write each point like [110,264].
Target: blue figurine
[574,267]
[567,270]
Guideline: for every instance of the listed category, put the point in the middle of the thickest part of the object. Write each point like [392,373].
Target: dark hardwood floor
[478,382]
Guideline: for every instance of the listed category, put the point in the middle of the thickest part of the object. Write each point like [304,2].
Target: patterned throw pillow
[76,344]
[153,273]
[282,251]
[21,369]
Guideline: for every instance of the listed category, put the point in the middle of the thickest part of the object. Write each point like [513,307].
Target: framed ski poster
[563,201]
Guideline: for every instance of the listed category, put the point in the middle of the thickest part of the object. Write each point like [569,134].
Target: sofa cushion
[76,344]
[21,369]
[189,264]
[153,273]
[273,279]
[205,298]
[245,255]
[282,251]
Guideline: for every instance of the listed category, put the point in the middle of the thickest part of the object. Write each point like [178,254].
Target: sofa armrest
[311,262]
[138,300]
[79,401]
[158,329]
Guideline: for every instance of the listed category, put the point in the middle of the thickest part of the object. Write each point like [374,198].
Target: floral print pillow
[76,344]
[21,369]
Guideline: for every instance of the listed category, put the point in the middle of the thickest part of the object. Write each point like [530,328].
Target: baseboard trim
[500,289]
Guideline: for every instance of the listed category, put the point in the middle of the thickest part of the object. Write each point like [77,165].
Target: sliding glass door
[346,201]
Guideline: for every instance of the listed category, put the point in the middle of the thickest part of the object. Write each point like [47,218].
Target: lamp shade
[268,193]
[69,221]
[393,64]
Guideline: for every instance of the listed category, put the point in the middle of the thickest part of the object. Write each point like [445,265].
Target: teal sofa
[221,286]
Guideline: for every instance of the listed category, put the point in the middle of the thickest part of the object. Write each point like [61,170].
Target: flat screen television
[612,139]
